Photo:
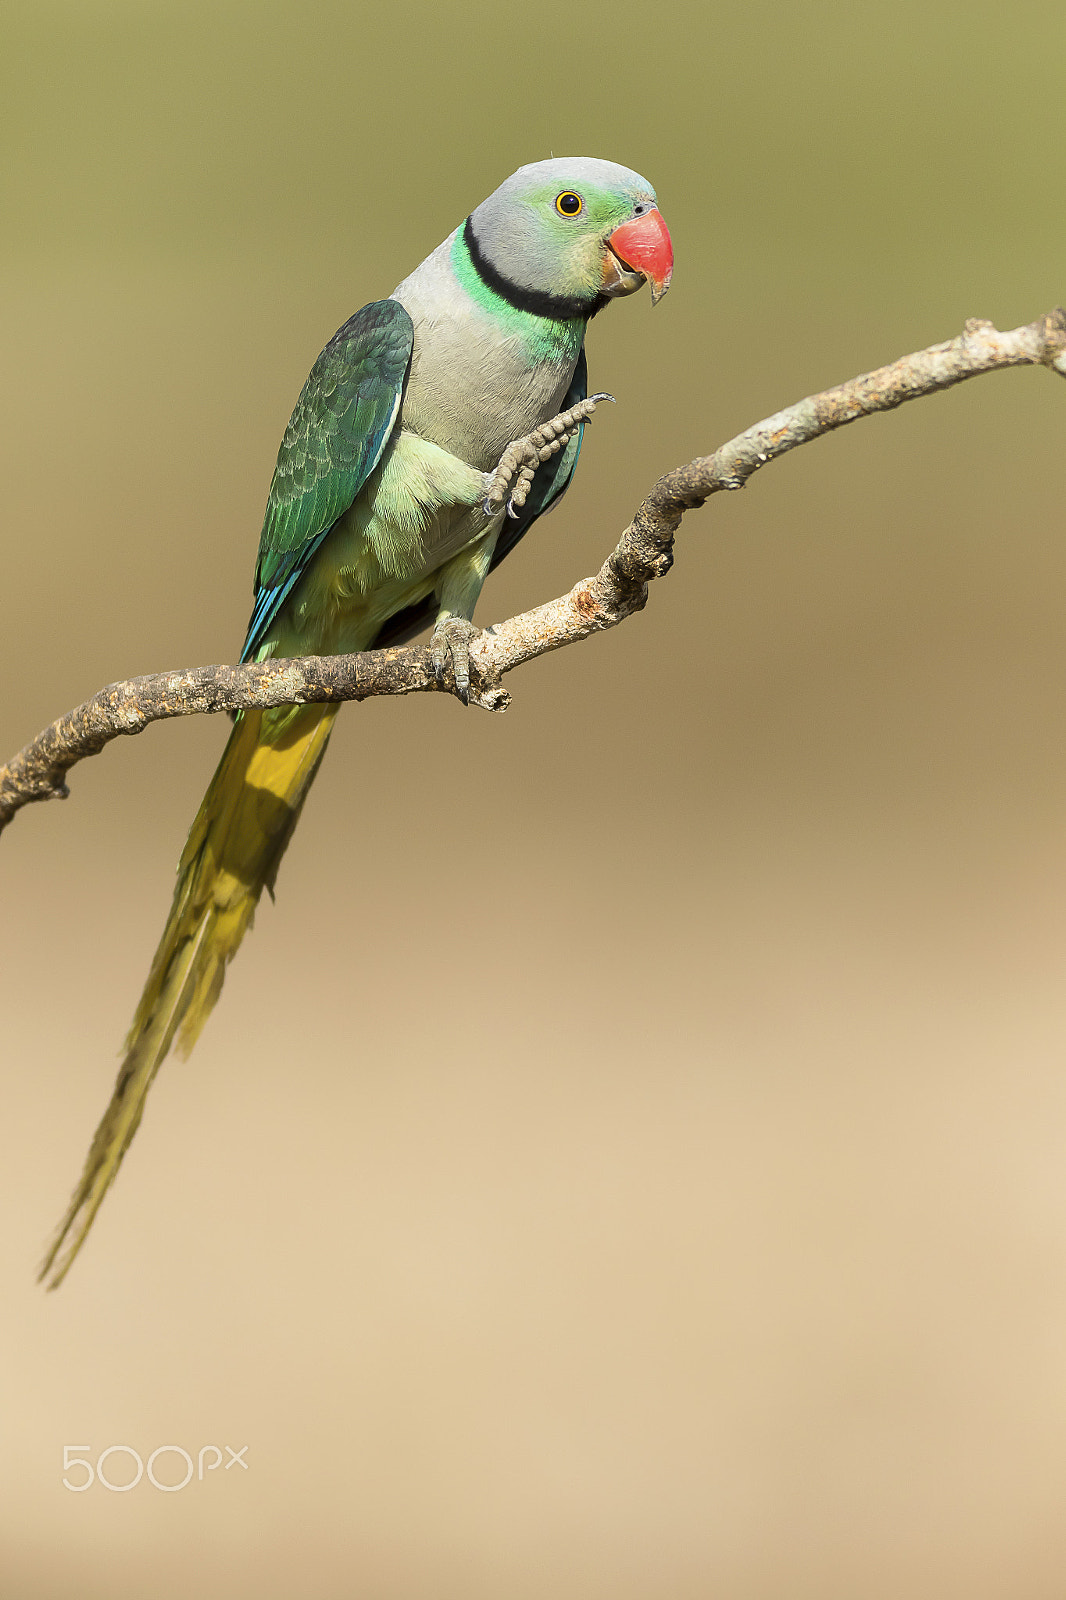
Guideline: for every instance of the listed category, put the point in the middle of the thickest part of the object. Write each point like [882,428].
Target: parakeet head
[572,229]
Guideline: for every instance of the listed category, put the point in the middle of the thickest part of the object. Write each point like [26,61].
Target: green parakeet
[376,523]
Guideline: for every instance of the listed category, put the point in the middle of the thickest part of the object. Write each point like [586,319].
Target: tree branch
[644,552]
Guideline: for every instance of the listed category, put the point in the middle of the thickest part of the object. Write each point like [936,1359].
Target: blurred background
[630,1158]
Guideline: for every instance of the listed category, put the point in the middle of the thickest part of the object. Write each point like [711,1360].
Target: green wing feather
[335,438]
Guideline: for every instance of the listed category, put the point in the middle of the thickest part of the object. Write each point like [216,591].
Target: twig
[644,552]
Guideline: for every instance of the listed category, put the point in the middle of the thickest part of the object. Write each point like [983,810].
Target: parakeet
[376,524]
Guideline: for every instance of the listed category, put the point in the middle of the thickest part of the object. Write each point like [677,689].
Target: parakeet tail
[232,854]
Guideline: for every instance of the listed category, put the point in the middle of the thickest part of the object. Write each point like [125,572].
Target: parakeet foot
[524,456]
[452,638]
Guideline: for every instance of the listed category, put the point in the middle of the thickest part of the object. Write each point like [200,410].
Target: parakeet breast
[482,373]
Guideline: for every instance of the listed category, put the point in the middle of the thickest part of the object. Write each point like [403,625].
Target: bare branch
[644,552]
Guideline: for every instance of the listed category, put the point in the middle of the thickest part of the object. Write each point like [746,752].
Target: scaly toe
[451,640]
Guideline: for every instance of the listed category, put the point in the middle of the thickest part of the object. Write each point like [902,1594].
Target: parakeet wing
[334,440]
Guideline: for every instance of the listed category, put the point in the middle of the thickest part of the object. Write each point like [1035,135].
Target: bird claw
[450,641]
[508,487]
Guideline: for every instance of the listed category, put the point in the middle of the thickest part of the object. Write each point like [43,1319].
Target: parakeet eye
[568,204]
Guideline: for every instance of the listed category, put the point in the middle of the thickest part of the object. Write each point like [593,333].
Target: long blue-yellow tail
[232,854]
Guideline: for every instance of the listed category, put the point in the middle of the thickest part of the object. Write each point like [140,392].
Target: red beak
[643,244]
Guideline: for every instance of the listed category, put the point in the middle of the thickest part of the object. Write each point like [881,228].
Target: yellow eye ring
[568,204]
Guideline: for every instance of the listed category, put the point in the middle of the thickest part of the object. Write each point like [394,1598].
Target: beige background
[630,1160]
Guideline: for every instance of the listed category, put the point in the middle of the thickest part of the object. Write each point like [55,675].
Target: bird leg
[508,486]
[454,632]
[451,639]
[524,456]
